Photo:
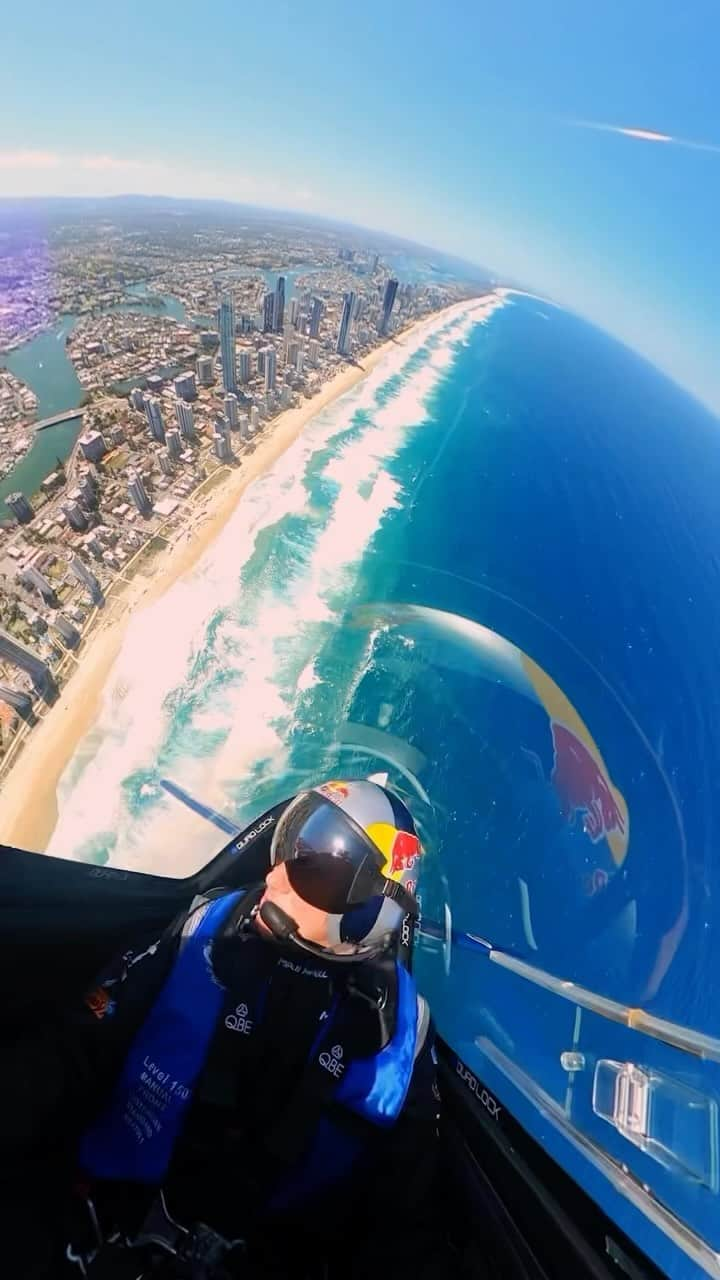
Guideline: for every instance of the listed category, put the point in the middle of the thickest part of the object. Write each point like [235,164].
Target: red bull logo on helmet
[404,853]
[335,790]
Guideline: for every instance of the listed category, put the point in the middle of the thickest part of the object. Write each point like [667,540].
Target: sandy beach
[28,806]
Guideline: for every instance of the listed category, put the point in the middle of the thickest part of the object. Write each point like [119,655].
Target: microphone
[284,929]
[281,925]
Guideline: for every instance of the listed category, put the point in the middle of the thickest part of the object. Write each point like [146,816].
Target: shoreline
[28,791]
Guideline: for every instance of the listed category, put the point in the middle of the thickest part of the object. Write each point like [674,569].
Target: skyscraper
[137,398]
[313,352]
[185,386]
[153,413]
[221,445]
[69,634]
[204,366]
[87,579]
[231,410]
[270,368]
[174,443]
[20,507]
[92,445]
[185,420]
[279,305]
[75,516]
[165,462]
[18,700]
[261,361]
[254,417]
[20,656]
[268,312]
[139,494]
[34,580]
[244,366]
[300,360]
[343,339]
[391,289]
[315,317]
[226,325]
[294,311]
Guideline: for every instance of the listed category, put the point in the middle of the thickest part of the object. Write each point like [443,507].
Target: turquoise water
[491,570]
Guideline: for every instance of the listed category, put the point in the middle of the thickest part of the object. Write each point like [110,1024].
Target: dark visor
[330,861]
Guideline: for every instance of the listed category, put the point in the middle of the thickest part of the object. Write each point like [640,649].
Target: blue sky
[454,124]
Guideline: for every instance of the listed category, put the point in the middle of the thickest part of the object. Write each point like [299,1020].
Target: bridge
[66,416]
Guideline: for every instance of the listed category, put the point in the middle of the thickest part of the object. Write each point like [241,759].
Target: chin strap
[285,929]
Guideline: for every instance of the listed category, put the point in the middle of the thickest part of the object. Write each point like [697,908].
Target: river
[43,363]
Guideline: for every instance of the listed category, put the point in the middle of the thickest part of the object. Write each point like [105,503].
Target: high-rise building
[244,426]
[270,368]
[244,367]
[226,325]
[185,386]
[87,579]
[279,305]
[286,397]
[155,383]
[92,445]
[20,507]
[316,316]
[254,417]
[391,289]
[34,580]
[205,367]
[174,443]
[313,352]
[209,339]
[153,413]
[139,494]
[261,362]
[268,312]
[88,479]
[247,324]
[343,339]
[185,420]
[294,311]
[137,398]
[75,516]
[300,360]
[21,656]
[374,263]
[221,446]
[117,435]
[18,700]
[69,634]
[165,462]
[231,410]
[291,352]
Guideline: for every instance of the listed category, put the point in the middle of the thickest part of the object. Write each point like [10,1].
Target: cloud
[646,135]
[27,172]
[29,160]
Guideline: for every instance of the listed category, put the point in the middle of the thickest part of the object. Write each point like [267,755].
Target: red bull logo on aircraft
[580,777]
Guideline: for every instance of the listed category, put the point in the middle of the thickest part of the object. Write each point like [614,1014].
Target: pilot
[263,1098]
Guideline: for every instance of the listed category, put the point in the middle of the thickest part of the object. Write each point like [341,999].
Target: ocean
[491,570]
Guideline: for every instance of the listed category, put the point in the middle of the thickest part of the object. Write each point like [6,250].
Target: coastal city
[185,349]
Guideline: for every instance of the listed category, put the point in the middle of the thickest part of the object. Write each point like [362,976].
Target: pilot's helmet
[351,849]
